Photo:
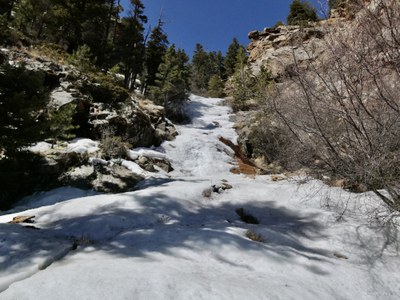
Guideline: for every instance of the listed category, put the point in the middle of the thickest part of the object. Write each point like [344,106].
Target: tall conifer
[230,58]
[155,50]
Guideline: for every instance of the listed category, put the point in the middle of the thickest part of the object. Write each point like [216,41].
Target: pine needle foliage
[61,122]
[301,13]
[172,83]
[22,108]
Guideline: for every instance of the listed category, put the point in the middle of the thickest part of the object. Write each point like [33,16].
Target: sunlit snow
[168,241]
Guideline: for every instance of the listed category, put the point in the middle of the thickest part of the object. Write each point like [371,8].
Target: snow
[167,241]
[83,145]
[52,197]
[136,153]
[136,169]
[78,145]
[40,147]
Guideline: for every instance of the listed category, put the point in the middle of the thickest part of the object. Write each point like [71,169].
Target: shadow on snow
[162,224]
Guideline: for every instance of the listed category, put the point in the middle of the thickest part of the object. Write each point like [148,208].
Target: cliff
[281,47]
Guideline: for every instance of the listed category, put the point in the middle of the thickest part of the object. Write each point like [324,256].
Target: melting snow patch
[40,147]
[136,153]
[82,145]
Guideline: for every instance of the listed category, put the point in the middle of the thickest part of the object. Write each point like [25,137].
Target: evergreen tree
[216,87]
[201,70]
[24,115]
[301,13]
[22,108]
[4,30]
[81,58]
[94,30]
[217,64]
[155,50]
[106,43]
[6,7]
[130,43]
[61,120]
[278,24]
[262,84]
[230,58]
[172,83]
[243,82]
[70,23]
[31,16]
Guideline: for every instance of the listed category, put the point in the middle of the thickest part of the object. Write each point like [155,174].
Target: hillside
[330,106]
[186,236]
[132,170]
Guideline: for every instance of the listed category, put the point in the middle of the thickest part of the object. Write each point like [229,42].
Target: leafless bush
[254,236]
[342,110]
[113,146]
[267,139]
[246,216]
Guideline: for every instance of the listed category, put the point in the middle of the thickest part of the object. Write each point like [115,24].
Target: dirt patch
[245,166]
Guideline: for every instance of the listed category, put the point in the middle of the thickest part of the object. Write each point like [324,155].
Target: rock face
[126,120]
[141,125]
[275,48]
[329,63]
[102,108]
[281,50]
[164,128]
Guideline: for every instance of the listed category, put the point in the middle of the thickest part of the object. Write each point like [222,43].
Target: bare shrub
[246,216]
[267,139]
[113,146]
[342,110]
[254,236]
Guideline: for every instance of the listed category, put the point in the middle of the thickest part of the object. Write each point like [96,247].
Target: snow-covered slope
[169,241]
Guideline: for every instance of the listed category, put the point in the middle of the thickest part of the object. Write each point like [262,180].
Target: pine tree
[217,64]
[94,29]
[130,43]
[6,7]
[201,70]
[31,16]
[4,30]
[81,58]
[243,82]
[106,40]
[172,83]
[155,50]
[216,87]
[230,58]
[22,108]
[301,13]
[61,122]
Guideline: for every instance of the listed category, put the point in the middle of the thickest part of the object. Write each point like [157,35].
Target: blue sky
[213,23]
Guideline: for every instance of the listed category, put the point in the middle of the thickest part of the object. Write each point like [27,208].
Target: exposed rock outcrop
[102,107]
[164,128]
[107,178]
[275,48]
[142,125]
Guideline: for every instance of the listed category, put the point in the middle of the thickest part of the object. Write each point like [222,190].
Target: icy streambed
[167,241]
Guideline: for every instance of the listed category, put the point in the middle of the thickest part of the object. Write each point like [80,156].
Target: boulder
[164,128]
[107,178]
[115,179]
[149,163]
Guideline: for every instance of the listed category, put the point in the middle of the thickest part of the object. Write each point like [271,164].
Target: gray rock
[275,48]
[149,163]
